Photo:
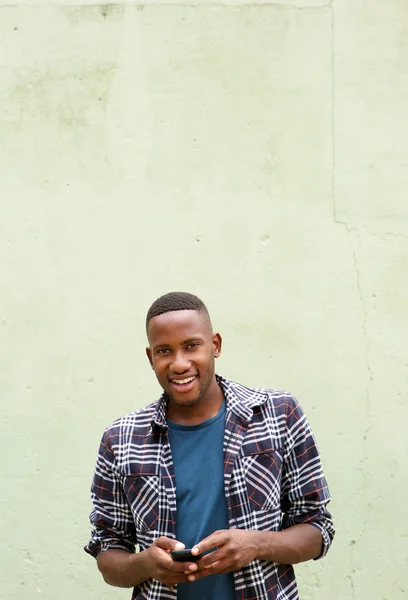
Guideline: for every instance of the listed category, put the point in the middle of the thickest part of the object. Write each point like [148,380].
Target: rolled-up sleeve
[305,493]
[111,517]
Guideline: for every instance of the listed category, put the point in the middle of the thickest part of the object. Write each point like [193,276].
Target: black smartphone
[184,555]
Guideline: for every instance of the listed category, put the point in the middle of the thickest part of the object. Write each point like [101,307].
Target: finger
[210,558]
[176,566]
[169,544]
[214,540]
[215,569]
[175,579]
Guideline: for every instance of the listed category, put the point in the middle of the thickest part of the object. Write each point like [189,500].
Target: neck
[204,408]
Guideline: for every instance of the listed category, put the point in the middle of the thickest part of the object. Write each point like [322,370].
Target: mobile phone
[184,555]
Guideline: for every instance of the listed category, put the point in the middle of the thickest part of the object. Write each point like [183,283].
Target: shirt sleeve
[111,517]
[305,493]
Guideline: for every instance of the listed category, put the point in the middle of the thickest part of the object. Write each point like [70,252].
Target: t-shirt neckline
[201,425]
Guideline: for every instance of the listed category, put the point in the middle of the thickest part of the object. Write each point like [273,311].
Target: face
[182,352]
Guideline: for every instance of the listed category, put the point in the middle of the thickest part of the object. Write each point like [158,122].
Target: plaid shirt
[273,480]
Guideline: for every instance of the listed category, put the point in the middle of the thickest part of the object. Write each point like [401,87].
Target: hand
[235,548]
[162,567]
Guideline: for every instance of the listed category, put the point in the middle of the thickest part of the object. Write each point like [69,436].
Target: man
[231,472]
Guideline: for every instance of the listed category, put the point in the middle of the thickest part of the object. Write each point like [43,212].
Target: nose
[180,363]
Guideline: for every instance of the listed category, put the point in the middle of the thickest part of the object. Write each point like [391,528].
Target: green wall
[254,153]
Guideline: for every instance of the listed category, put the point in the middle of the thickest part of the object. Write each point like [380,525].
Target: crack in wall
[364,325]
[352,229]
[333,131]
[387,234]
[364,459]
[348,227]
[353,592]
[364,329]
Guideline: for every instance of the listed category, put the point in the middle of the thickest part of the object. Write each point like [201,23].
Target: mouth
[183,384]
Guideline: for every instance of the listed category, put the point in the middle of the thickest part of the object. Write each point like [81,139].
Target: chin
[184,401]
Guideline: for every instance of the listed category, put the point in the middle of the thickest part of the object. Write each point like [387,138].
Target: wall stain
[107,9]
[71,99]
[78,14]
[27,555]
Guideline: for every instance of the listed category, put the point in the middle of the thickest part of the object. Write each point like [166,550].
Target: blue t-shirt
[197,452]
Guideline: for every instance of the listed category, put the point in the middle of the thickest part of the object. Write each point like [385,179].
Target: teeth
[181,381]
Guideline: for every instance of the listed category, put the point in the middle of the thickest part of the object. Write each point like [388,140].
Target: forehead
[178,325]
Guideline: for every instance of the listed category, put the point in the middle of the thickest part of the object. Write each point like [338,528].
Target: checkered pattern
[273,480]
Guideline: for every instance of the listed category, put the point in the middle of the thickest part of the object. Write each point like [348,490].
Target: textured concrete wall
[254,153]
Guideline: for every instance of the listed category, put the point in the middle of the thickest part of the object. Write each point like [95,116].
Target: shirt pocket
[142,493]
[263,473]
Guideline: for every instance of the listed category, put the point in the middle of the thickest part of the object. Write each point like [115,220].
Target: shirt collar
[240,399]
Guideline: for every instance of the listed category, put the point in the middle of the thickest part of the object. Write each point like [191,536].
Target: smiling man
[230,472]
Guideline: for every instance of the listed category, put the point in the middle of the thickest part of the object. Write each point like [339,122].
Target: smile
[183,381]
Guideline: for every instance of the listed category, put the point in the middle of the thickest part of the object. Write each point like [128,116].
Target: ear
[217,343]
[149,356]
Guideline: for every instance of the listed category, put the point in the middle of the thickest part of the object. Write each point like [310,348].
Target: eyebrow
[193,339]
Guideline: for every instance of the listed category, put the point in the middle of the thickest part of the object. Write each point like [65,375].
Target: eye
[163,351]
[192,345]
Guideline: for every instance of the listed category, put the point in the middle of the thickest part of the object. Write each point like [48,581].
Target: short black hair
[176,301]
